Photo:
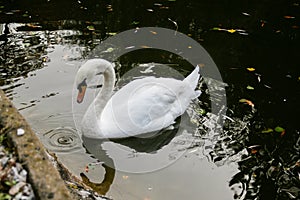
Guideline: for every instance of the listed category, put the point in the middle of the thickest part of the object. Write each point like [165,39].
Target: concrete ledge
[43,176]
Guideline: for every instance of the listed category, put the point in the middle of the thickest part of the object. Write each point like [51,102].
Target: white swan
[142,106]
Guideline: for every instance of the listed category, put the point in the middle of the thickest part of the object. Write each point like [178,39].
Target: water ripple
[62,139]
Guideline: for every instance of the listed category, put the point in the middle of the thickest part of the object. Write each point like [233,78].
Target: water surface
[42,49]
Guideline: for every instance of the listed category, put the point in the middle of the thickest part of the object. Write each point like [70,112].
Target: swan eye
[82,84]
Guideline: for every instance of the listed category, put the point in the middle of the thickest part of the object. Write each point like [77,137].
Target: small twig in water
[175,23]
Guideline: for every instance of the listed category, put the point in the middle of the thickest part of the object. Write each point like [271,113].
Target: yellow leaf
[251,69]
[247,102]
[231,30]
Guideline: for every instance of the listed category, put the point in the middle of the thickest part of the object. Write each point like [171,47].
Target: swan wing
[143,105]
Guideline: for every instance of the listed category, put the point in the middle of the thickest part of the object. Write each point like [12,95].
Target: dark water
[43,43]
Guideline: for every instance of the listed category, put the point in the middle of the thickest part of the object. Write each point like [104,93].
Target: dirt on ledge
[43,176]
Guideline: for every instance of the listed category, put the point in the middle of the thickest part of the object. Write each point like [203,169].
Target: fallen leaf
[153,32]
[247,102]
[216,28]
[125,177]
[254,148]
[288,17]
[282,133]
[269,130]
[135,23]
[279,129]
[112,33]
[231,30]
[250,87]
[251,69]
[254,151]
[91,28]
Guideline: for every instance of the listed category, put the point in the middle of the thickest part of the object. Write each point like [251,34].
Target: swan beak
[81,93]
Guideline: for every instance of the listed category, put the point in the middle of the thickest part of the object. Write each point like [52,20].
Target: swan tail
[193,78]
[196,94]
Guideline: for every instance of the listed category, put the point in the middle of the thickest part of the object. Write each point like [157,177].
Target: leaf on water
[243,100]
[231,30]
[216,29]
[110,49]
[279,129]
[250,87]
[269,130]
[135,23]
[282,133]
[201,111]
[254,151]
[246,101]
[251,69]
[125,177]
[91,28]
[33,26]
[288,17]
[153,32]
[111,33]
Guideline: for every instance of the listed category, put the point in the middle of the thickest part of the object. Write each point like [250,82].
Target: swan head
[86,72]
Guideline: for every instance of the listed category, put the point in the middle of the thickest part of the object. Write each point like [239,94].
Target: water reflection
[94,147]
[151,145]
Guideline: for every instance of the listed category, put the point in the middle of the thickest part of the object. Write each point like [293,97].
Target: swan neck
[105,93]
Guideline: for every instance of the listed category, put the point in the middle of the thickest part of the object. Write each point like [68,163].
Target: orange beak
[81,93]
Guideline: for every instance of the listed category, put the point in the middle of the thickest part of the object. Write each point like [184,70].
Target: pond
[255,45]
